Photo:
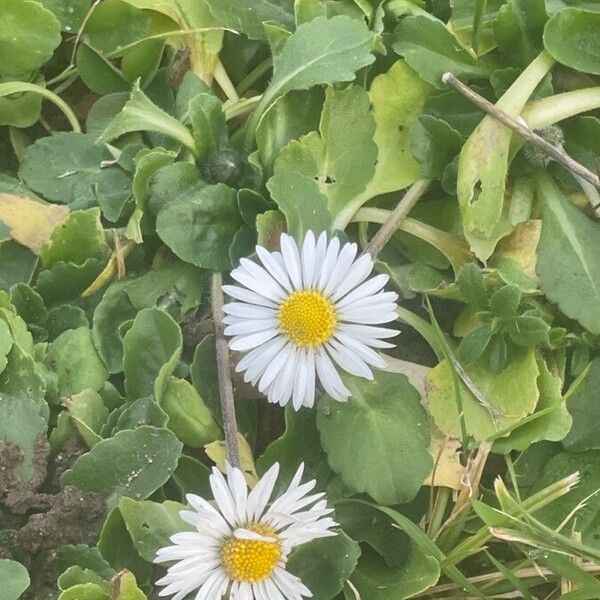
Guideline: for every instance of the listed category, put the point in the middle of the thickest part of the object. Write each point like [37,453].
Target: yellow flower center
[308,318]
[251,561]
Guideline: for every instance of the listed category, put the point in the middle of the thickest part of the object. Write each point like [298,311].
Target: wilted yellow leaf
[217,452]
[447,470]
[521,246]
[30,223]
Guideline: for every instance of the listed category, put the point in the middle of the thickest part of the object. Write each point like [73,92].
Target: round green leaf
[133,463]
[151,524]
[377,441]
[151,348]
[67,168]
[200,225]
[28,36]
[572,37]
[325,564]
[70,13]
[14,578]
[21,110]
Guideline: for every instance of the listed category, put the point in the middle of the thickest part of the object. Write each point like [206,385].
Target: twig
[224,373]
[382,237]
[556,153]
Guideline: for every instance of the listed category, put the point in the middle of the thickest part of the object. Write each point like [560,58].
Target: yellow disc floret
[308,318]
[251,561]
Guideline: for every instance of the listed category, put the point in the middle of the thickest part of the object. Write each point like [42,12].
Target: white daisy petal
[291,257]
[243,343]
[270,262]
[240,293]
[341,268]
[307,259]
[348,360]
[300,380]
[369,356]
[330,378]
[359,271]
[264,287]
[249,311]
[331,256]
[250,326]
[320,253]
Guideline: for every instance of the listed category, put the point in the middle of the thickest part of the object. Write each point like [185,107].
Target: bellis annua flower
[303,312]
[242,541]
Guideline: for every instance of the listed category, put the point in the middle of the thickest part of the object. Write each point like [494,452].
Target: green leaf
[125,587]
[200,224]
[559,466]
[570,243]
[70,13]
[67,168]
[152,344]
[189,417]
[144,411]
[472,285]
[505,301]
[113,310]
[75,575]
[323,172]
[141,114]
[84,591]
[572,37]
[28,304]
[177,281]
[98,73]
[382,424]
[288,119]
[86,558]
[66,281]
[321,51]
[248,16]
[88,413]
[519,28]
[75,240]
[473,345]
[30,33]
[431,49]
[64,317]
[133,463]
[584,408]
[151,524]
[21,110]
[377,581]
[551,420]
[24,416]
[15,579]
[117,548]
[397,98]
[208,124]
[299,443]
[508,396]
[73,357]
[528,330]
[434,144]
[116,23]
[325,564]
[17,264]
[483,166]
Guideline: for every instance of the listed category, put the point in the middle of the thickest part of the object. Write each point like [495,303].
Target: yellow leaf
[447,470]
[217,452]
[30,223]
[521,246]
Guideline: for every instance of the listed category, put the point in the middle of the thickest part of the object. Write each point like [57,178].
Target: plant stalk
[224,373]
[520,127]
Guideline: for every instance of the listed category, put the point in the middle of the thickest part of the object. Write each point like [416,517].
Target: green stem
[240,107]
[16,87]
[540,499]
[254,75]
[552,109]
[455,250]
[423,328]
[222,78]
[438,512]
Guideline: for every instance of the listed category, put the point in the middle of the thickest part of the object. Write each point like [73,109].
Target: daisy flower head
[303,313]
[241,542]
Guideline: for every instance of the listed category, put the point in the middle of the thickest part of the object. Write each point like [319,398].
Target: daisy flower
[304,311]
[241,543]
